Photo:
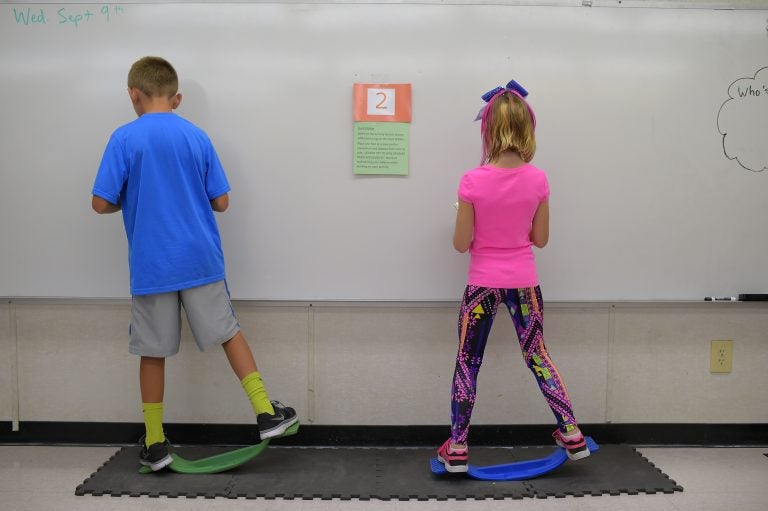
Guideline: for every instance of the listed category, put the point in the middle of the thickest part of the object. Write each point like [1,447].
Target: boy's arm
[102,206]
[220,203]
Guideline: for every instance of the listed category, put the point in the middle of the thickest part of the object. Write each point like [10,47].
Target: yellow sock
[254,389]
[153,421]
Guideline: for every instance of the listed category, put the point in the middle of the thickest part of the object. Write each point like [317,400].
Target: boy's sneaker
[575,445]
[271,426]
[455,460]
[156,456]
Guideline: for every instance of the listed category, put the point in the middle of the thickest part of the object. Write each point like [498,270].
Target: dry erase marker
[721,299]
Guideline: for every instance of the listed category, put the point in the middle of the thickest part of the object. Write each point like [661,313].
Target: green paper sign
[382,148]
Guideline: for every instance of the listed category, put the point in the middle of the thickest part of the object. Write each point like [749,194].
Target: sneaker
[156,456]
[455,460]
[271,426]
[575,445]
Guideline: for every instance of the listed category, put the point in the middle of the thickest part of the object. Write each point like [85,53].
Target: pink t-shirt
[505,201]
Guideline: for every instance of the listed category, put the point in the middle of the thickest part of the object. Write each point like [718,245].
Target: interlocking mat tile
[378,473]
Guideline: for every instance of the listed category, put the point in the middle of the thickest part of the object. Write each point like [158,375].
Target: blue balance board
[518,471]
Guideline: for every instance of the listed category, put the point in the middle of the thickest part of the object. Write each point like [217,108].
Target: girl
[503,210]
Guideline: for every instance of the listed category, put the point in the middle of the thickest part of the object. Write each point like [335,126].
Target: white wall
[628,103]
[379,364]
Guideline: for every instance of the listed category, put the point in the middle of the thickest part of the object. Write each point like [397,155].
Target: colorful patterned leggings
[476,317]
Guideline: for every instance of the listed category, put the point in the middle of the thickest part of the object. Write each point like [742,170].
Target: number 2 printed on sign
[381,102]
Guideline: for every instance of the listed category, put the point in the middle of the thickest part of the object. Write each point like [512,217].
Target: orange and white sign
[380,102]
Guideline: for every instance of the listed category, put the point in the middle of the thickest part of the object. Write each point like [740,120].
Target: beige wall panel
[7,363]
[366,365]
[394,366]
[380,366]
[75,366]
[74,363]
[660,365]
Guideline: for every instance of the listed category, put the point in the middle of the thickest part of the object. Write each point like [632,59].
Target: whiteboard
[647,201]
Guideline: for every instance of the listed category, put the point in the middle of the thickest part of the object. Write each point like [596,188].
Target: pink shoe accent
[454,460]
[575,445]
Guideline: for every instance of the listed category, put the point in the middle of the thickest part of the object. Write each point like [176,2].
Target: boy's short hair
[509,127]
[154,76]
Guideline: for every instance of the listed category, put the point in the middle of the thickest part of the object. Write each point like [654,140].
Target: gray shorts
[156,319]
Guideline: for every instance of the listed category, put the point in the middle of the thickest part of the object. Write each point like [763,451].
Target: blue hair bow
[512,85]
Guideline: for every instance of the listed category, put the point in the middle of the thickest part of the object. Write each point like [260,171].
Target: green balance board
[220,462]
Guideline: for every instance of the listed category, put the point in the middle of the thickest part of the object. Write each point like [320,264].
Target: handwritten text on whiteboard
[70,16]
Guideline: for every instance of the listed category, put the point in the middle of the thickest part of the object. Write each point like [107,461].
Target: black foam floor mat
[373,473]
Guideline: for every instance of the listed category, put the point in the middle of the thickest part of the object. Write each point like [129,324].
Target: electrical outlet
[721,357]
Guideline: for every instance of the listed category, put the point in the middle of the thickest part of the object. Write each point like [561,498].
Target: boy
[164,174]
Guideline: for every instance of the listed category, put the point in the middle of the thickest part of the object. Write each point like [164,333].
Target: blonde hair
[154,76]
[508,126]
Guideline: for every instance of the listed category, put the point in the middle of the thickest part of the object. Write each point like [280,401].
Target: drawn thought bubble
[743,122]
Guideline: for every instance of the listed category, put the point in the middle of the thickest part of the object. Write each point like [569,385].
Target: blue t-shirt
[164,171]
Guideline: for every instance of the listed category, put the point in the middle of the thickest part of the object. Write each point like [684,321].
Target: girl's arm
[540,225]
[465,224]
